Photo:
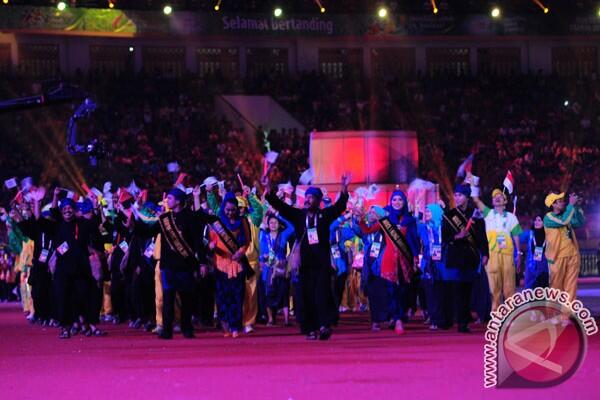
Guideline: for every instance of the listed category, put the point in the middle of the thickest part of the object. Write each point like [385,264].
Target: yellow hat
[242,201]
[496,192]
[552,197]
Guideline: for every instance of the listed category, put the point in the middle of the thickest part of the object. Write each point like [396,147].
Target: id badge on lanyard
[538,253]
[63,248]
[124,246]
[149,250]
[436,252]
[43,256]
[501,240]
[311,233]
[375,249]
[45,251]
[335,251]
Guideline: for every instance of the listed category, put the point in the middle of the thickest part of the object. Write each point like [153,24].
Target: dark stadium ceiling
[582,7]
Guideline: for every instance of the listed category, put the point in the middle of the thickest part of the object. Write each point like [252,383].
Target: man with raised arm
[312,225]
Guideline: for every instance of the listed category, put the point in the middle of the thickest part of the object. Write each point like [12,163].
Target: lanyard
[76,231]
[503,218]
[377,235]
[271,242]
[430,234]
[44,241]
[314,221]
[534,241]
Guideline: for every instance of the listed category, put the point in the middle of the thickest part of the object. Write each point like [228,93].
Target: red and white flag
[466,167]
[509,182]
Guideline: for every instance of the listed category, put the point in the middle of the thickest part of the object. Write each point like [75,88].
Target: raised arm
[202,217]
[367,230]
[55,198]
[572,215]
[257,209]
[211,199]
[288,212]
[340,205]
[288,231]
[481,205]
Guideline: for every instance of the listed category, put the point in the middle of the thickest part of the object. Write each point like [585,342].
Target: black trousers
[5,291]
[142,294]
[72,297]
[298,300]
[433,292]
[456,301]
[262,300]
[94,304]
[317,298]
[205,288]
[481,301]
[174,282]
[340,286]
[40,280]
[118,296]
[416,291]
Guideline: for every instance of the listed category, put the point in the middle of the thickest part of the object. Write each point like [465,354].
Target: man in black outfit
[311,225]
[40,230]
[181,253]
[465,245]
[74,239]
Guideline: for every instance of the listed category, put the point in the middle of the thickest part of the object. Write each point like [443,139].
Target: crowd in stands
[545,129]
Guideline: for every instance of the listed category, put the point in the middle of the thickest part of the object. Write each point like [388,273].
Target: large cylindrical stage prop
[381,157]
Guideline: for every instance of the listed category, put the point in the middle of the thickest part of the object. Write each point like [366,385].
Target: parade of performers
[207,257]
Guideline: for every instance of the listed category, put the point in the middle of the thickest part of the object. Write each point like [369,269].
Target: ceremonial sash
[397,238]
[227,238]
[458,222]
[174,237]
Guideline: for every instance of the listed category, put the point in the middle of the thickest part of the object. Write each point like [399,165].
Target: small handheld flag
[509,182]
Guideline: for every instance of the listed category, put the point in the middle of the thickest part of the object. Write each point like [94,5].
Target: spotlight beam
[541,5]
[320,5]
[434,7]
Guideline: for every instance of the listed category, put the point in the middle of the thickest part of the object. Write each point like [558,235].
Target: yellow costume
[562,249]
[501,228]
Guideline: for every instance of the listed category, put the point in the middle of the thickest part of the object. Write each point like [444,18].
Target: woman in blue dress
[430,233]
[273,247]
[372,283]
[536,272]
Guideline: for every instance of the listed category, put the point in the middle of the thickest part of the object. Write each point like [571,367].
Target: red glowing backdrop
[388,159]
[383,157]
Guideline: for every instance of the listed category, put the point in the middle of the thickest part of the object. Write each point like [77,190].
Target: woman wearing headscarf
[231,267]
[399,256]
[373,277]
[430,234]
[399,215]
[273,248]
[536,273]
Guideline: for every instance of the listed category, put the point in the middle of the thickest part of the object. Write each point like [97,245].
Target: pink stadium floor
[272,363]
